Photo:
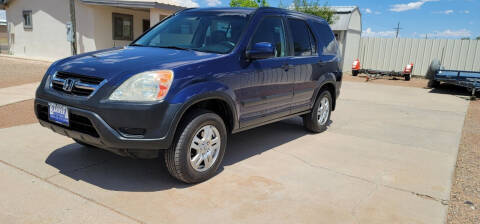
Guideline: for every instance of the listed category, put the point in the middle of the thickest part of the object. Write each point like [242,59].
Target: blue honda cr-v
[189,81]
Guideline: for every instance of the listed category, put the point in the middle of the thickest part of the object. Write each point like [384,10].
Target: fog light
[127,132]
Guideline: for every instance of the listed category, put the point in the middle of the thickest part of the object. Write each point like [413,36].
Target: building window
[122,27]
[146,25]
[27,19]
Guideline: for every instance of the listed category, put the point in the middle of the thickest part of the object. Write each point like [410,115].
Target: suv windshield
[212,32]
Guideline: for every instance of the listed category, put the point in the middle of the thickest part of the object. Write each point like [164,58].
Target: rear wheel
[199,148]
[407,77]
[316,121]
[434,67]
[355,72]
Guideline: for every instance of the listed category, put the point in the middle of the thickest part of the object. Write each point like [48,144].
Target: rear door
[271,92]
[305,62]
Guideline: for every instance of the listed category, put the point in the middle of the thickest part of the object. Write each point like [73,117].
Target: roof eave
[132,4]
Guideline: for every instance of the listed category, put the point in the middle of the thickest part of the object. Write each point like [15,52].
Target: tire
[433,83]
[311,121]
[83,143]
[355,72]
[178,159]
[408,77]
[434,67]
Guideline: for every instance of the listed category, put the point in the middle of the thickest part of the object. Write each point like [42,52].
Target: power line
[397,29]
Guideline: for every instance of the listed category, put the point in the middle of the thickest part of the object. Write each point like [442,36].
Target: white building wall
[352,40]
[352,44]
[95,28]
[47,40]
[157,15]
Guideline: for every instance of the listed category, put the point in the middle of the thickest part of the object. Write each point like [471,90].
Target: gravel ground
[464,205]
[19,71]
[398,81]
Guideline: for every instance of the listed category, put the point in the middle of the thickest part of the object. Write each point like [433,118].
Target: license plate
[58,114]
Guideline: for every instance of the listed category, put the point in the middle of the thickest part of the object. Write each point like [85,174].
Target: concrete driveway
[388,157]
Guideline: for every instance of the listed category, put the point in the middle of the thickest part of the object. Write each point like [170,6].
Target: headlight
[145,86]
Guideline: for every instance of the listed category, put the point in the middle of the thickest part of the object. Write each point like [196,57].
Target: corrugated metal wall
[392,54]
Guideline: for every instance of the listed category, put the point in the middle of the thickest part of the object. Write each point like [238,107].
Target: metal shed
[347,29]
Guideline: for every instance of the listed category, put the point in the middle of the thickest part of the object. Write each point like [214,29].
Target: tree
[248,3]
[478,38]
[313,7]
[465,38]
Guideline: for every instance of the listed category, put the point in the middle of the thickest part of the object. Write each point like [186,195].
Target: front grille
[77,122]
[74,84]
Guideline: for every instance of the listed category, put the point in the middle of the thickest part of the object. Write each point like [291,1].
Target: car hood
[110,63]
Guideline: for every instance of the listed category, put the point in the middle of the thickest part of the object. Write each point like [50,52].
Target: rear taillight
[408,69]
[356,65]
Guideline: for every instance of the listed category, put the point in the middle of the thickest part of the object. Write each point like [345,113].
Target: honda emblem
[68,85]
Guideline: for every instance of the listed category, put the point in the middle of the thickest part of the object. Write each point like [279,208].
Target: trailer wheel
[433,83]
[354,72]
[434,67]
[407,77]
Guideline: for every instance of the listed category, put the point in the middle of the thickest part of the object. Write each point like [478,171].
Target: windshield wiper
[206,51]
[174,47]
[137,45]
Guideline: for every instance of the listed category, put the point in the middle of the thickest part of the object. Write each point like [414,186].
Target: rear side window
[303,40]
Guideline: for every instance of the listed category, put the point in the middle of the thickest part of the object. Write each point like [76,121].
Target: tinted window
[271,30]
[328,44]
[303,41]
[210,32]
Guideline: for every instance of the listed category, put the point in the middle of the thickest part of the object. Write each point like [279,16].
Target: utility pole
[397,29]
[74,27]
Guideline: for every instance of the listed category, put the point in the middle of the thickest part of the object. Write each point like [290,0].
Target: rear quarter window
[327,42]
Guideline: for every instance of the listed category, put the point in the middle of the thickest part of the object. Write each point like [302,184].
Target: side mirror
[261,50]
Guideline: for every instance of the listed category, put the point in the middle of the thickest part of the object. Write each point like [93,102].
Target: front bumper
[101,126]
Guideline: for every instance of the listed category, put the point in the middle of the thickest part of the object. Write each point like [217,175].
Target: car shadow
[112,172]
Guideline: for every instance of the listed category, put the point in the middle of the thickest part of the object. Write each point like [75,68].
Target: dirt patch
[20,71]
[398,81]
[17,114]
[464,205]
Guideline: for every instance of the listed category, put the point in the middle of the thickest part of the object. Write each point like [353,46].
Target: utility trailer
[374,73]
[438,74]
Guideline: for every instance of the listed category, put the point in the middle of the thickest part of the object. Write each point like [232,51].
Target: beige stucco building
[38,29]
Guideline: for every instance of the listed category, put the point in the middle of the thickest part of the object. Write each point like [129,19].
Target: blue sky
[418,18]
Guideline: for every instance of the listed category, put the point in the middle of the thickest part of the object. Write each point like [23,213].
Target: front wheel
[317,120]
[199,148]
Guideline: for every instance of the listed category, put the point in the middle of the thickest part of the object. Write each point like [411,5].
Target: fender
[328,78]
[198,92]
